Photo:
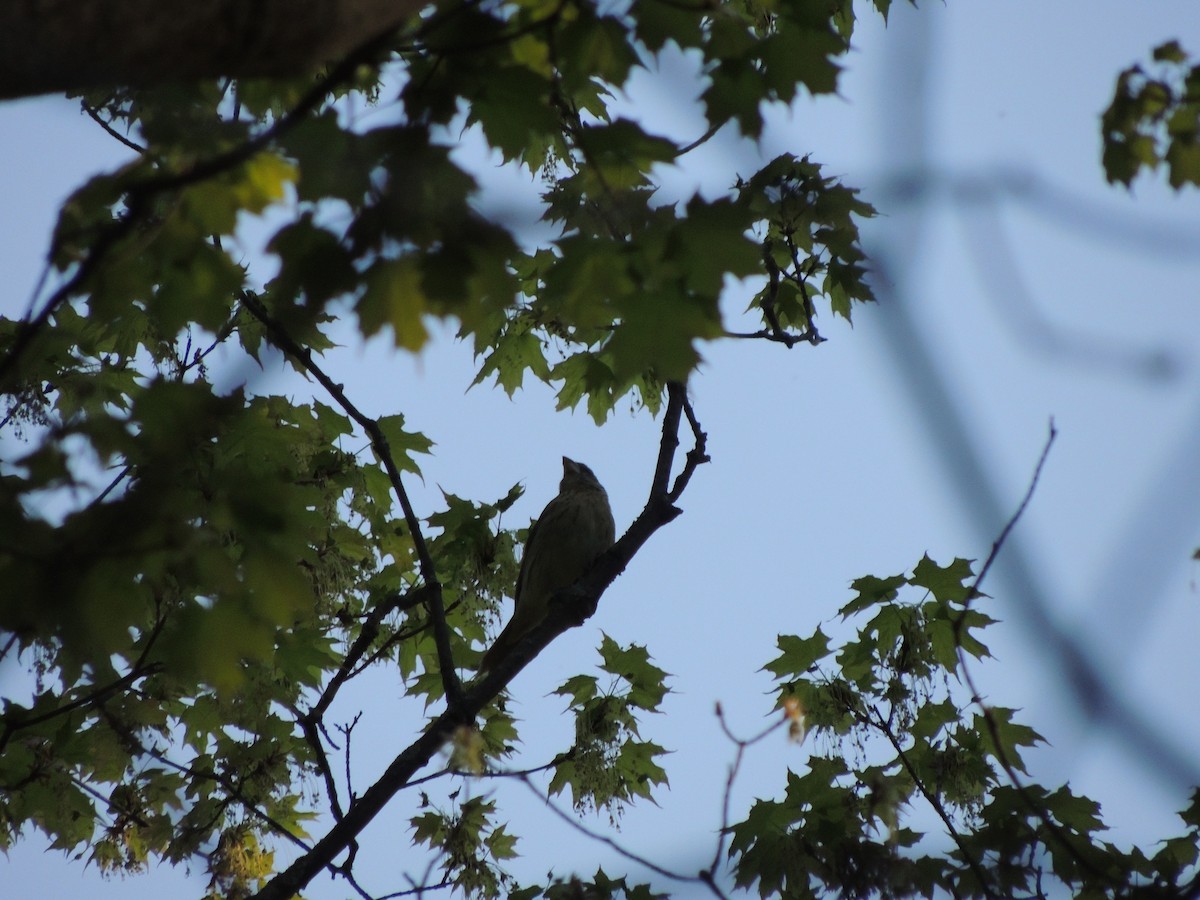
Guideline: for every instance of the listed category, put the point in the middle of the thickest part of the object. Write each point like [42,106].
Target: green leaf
[797,655]
[332,162]
[932,719]
[713,241]
[394,296]
[1079,814]
[215,205]
[428,828]
[580,688]
[513,107]
[948,584]
[872,591]
[314,266]
[1183,160]
[1008,736]
[1169,52]
[1191,815]
[944,642]
[402,443]
[1132,125]
[658,335]
[647,682]
[513,353]
[623,152]
[586,374]
[802,55]
[972,618]
[656,23]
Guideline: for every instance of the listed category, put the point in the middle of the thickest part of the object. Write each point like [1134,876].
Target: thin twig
[107,801]
[742,744]
[221,336]
[1008,527]
[347,731]
[366,636]
[491,773]
[930,797]
[313,738]
[800,278]
[112,485]
[697,456]
[787,338]
[618,848]
[433,595]
[676,396]
[398,636]
[568,607]
[93,698]
[989,719]
[342,872]
[704,138]
[107,126]
[232,789]
[139,194]
[418,889]
[775,330]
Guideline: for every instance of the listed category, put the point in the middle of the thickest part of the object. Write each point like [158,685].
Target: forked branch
[433,594]
[568,608]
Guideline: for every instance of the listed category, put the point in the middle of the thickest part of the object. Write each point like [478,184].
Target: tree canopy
[194,572]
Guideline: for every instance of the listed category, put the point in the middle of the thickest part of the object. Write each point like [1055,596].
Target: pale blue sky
[854,457]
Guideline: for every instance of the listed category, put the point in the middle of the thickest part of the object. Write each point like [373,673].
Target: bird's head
[577,476]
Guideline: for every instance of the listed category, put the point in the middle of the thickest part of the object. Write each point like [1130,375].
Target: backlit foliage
[193,570]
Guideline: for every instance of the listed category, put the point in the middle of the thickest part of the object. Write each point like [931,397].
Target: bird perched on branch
[574,528]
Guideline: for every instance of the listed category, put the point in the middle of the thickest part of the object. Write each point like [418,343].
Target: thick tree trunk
[48,46]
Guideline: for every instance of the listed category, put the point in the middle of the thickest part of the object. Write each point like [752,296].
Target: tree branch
[1008,527]
[704,138]
[703,878]
[742,744]
[931,797]
[433,594]
[8,645]
[569,607]
[312,737]
[49,46]
[676,397]
[1018,784]
[139,194]
[366,636]
[233,790]
[697,455]
[775,330]
[109,130]
[93,698]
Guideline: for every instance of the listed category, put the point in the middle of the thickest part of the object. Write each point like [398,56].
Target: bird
[572,531]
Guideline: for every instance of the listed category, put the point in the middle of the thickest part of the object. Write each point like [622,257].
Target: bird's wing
[517,625]
[524,570]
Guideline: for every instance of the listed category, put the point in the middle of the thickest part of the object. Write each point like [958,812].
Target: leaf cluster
[902,739]
[600,886]
[470,846]
[609,765]
[194,568]
[1154,119]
